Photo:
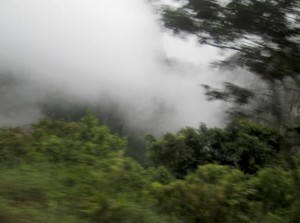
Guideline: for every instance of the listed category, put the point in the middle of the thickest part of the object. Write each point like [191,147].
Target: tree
[264,34]
[173,152]
[243,144]
[59,171]
[264,37]
[215,193]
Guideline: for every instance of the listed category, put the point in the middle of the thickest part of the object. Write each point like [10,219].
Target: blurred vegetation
[242,144]
[63,171]
[262,37]
[77,171]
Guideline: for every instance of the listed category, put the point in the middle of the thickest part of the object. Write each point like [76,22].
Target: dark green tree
[242,144]
[264,38]
[215,193]
[263,34]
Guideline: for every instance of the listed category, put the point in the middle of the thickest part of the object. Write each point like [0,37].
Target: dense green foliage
[242,144]
[220,194]
[58,171]
[263,37]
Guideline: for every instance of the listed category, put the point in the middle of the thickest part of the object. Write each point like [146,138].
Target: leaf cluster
[263,35]
[242,144]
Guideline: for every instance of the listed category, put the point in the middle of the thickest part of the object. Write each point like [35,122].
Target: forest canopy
[63,171]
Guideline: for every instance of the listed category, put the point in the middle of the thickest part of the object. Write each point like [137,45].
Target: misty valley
[149,111]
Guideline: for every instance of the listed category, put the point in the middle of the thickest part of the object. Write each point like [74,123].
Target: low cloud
[96,53]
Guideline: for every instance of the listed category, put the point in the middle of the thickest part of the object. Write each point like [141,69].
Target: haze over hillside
[97,53]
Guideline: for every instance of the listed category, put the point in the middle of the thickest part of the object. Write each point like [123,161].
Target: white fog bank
[94,51]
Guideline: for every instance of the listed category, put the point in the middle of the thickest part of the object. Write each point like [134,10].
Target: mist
[109,54]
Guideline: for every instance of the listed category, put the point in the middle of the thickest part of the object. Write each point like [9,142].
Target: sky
[95,52]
